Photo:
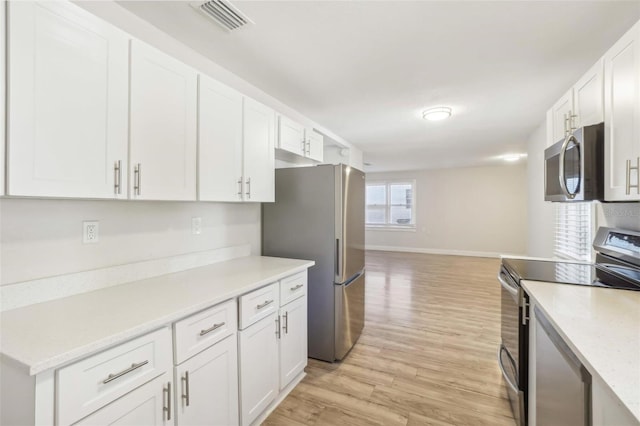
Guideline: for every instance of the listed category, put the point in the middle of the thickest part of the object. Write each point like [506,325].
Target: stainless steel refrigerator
[319,215]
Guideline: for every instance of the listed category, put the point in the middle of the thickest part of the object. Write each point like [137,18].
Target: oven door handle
[504,371]
[512,290]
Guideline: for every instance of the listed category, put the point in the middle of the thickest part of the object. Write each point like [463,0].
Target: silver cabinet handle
[137,178]
[296,287]
[278,326]
[635,186]
[240,187]
[117,177]
[265,303]
[308,151]
[167,409]
[185,395]
[285,327]
[566,125]
[304,144]
[212,328]
[133,367]
[248,193]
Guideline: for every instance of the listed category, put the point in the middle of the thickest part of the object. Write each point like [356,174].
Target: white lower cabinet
[207,386]
[258,367]
[293,340]
[606,409]
[147,405]
[273,348]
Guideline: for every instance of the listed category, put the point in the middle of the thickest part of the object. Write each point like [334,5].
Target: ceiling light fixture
[512,157]
[436,114]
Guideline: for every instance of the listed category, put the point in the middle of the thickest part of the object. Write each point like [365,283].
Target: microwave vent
[224,14]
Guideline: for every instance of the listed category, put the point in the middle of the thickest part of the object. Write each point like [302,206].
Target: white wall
[541,215]
[43,238]
[619,215]
[475,211]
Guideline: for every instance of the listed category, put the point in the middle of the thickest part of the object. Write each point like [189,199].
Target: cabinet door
[588,97]
[291,136]
[560,109]
[259,151]
[163,126]
[208,386]
[3,9]
[258,367]
[293,342]
[219,142]
[146,405]
[315,145]
[68,102]
[622,117]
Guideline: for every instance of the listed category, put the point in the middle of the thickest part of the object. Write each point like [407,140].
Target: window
[574,231]
[390,204]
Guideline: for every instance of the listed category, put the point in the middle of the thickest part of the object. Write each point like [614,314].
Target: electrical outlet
[196,225]
[90,232]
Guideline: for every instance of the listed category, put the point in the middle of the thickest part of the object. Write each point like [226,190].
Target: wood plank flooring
[427,355]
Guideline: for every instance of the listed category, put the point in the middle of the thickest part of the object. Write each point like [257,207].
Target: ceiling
[366,69]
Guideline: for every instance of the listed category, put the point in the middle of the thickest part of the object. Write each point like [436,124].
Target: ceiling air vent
[224,13]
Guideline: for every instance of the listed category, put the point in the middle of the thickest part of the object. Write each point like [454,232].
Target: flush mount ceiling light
[512,157]
[436,114]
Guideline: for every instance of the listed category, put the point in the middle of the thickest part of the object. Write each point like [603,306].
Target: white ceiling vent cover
[223,13]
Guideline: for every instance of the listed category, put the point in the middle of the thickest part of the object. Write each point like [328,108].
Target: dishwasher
[563,384]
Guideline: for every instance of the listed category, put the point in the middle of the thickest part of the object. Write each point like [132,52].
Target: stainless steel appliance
[563,384]
[574,167]
[319,215]
[617,266]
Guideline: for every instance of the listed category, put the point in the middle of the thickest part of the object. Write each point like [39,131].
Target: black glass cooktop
[604,275]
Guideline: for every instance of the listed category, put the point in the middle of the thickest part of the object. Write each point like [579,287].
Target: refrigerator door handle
[338,256]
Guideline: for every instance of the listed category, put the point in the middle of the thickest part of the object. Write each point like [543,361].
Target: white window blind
[573,231]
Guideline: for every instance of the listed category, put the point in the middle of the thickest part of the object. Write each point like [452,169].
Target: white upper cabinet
[3,115]
[581,106]
[314,145]
[588,97]
[622,118]
[163,124]
[560,113]
[67,103]
[259,123]
[219,142]
[291,136]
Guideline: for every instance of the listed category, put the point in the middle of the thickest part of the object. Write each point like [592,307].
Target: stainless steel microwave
[574,166]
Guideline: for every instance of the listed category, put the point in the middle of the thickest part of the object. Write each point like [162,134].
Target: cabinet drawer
[258,304]
[89,384]
[197,332]
[293,287]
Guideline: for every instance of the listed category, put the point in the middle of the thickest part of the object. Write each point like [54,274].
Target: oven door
[512,354]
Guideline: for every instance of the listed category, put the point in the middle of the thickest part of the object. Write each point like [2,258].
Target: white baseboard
[438,251]
[26,293]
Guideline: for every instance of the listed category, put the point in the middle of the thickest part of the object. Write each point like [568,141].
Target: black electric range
[617,266]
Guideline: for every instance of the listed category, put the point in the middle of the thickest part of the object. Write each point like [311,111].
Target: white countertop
[602,327]
[46,335]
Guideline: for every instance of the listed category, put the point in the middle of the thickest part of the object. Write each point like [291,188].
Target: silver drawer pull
[123,372]
[297,287]
[266,303]
[214,327]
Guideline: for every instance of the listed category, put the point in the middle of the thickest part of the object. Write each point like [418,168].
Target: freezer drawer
[349,314]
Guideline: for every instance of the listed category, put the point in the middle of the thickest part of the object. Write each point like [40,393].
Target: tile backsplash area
[619,215]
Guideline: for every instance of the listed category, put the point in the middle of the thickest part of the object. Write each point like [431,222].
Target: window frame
[387,226]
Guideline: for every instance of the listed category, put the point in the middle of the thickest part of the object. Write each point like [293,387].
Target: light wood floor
[427,355]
